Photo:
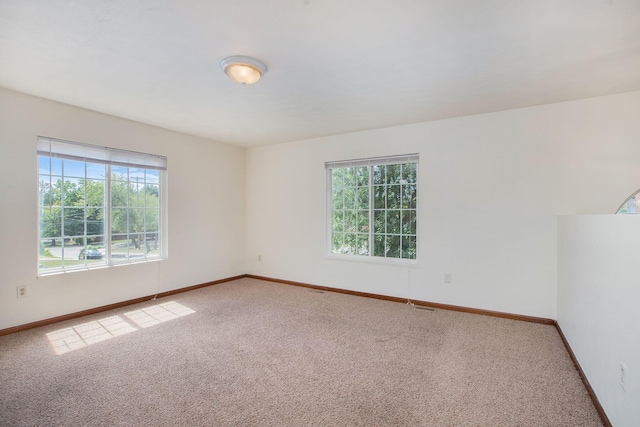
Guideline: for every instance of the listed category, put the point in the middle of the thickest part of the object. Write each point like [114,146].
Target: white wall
[490,188]
[206,210]
[598,299]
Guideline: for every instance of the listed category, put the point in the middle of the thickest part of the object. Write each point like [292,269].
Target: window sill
[394,262]
[55,272]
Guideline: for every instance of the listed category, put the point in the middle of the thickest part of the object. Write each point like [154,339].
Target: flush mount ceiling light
[243,69]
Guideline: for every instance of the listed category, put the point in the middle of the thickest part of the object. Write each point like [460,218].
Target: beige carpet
[256,353]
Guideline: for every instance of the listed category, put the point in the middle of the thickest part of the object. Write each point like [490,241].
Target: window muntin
[372,206]
[94,208]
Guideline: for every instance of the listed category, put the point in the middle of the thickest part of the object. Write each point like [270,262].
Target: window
[97,206]
[631,205]
[372,207]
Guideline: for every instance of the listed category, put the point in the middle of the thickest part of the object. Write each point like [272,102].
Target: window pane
[349,243]
[409,247]
[95,228]
[393,247]
[394,174]
[153,176]
[119,220]
[379,245]
[336,242]
[119,194]
[362,244]
[337,221]
[350,198]
[152,245]
[120,173]
[337,178]
[338,198]
[119,247]
[94,193]
[73,222]
[151,219]
[350,177]
[136,220]
[363,198]
[379,197]
[393,197]
[96,171]
[409,196]
[379,222]
[363,221]
[379,174]
[393,222]
[409,173]
[72,192]
[362,175]
[350,221]
[409,222]
[73,168]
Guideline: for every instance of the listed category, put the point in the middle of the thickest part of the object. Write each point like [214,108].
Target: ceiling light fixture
[243,69]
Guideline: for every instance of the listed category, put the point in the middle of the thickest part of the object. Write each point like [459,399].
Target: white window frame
[368,162]
[109,157]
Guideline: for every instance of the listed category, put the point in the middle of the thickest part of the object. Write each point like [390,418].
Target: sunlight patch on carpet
[80,336]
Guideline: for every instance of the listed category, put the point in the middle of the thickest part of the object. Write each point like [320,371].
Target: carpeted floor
[256,353]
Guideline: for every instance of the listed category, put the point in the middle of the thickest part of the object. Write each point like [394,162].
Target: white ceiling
[335,66]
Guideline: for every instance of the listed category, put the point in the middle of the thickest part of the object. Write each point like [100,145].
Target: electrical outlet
[447,278]
[21,291]
[623,376]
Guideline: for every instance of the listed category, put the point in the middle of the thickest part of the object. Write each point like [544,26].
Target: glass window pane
[95,228]
[379,197]
[153,176]
[379,174]
[337,240]
[409,196]
[119,220]
[337,221]
[96,171]
[393,197]
[350,221]
[362,244]
[338,198]
[151,219]
[379,245]
[393,247]
[152,244]
[51,223]
[409,173]
[349,243]
[362,175]
[409,222]
[72,192]
[393,222]
[350,177]
[394,174]
[120,173]
[379,222]
[136,220]
[350,198]
[119,247]
[409,247]
[363,198]
[337,178]
[73,222]
[363,221]
[73,168]
[94,192]
[50,194]
[119,194]
[153,193]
